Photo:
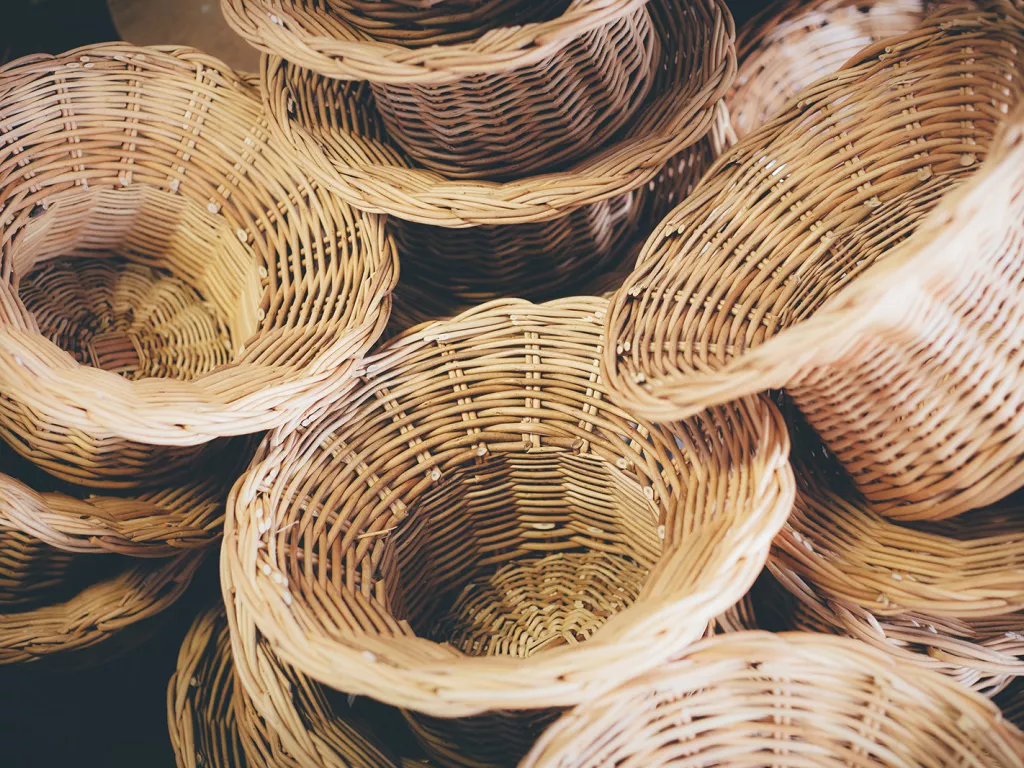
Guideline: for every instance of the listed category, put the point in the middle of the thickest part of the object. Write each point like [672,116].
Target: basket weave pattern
[805,273]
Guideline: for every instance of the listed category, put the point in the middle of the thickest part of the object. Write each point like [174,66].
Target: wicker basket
[101,230]
[982,654]
[481,453]
[792,701]
[792,43]
[796,264]
[515,101]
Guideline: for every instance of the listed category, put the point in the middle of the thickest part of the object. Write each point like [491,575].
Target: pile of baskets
[687,346]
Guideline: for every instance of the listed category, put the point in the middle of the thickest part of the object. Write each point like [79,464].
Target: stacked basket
[169,283]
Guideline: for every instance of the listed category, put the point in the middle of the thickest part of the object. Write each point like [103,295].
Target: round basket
[792,43]
[491,108]
[982,654]
[444,270]
[792,701]
[824,254]
[167,276]
[480,458]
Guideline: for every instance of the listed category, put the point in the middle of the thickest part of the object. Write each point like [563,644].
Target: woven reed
[792,43]
[99,612]
[201,698]
[981,654]
[371,174]
[101,230]
[783,700]
[808,273]
[494,427]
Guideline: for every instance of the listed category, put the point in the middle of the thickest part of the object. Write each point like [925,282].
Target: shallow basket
[167,275]
[789,700]
[792,43]
[515,101]
[479,457]
[824,254]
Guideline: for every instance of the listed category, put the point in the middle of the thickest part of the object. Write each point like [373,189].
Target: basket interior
[138,281]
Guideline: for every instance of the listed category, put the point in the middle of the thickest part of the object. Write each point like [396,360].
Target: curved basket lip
[730,653]
[672,122]
[882,301]
[235,399]
[331,47]
[899,567]
[456,685]
[100,610]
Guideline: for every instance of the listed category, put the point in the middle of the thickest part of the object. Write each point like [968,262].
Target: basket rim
[670,122]
[237,398]
[880,301]
[98,611]
[330,46]
[454,684]
[728,654]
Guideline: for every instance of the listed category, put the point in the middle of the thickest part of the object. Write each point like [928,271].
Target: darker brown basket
[825,254]
[789,700]
[153,229]
[792,43]
[479,457]
[513,102]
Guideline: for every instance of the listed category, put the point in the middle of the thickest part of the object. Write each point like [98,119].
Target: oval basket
[114,336]
[792,43]
[470,123]
[824,254]
[479,453]
[790,700]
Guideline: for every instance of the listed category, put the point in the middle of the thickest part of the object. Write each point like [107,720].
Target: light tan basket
[792,43]
[119,167]
[481,452]
[492,108]
[791,700]
[825,254]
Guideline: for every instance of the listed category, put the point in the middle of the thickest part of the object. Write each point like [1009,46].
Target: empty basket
[826,253]
[167,275]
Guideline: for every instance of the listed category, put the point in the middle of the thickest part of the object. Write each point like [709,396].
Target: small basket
[515,101]
[792,43]
[983,654]
[824,254]
[167,276]
[791,701]
[482,452]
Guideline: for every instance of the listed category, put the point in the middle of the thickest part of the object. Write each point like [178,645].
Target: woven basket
[481,453]
[101,230]
[792,43]
[982,654]
[792,701]
[518,100]
[796,264]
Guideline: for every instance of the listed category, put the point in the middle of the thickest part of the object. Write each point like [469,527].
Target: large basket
[488,109]
[119,168]
[792,43]
[371,543]
[791,700]
[816,256]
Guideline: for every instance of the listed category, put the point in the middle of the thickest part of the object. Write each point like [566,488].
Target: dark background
[113,716]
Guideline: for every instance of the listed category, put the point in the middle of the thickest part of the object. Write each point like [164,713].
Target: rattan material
[486,443]
[473,111]
[165,238]
[201,698]
[792,701]
[982,654]
[792,43]
[98,612]
[371,174]
[796,264]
